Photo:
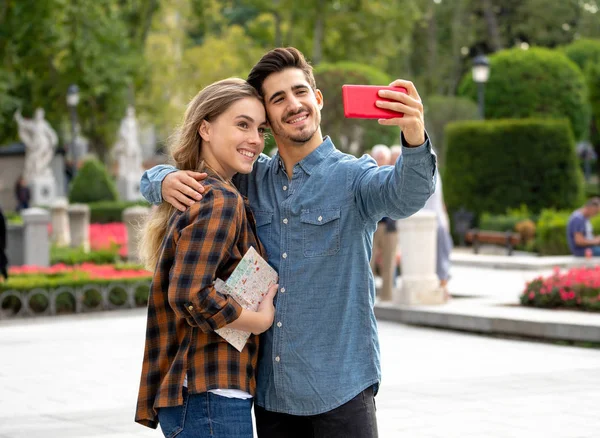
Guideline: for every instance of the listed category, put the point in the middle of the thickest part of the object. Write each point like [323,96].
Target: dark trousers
[355,419]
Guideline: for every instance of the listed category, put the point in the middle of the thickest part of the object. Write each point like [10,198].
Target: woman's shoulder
[217,195]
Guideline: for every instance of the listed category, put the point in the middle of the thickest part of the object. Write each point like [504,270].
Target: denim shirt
[317,227]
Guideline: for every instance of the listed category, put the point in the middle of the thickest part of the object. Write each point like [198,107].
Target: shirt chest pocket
[321,231]
[263,225]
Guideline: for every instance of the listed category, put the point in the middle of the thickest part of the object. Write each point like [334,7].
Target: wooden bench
[507,239]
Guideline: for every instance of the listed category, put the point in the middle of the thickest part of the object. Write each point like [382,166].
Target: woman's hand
[266,310]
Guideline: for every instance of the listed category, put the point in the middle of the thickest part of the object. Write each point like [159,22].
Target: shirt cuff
[211,322]
[423,148]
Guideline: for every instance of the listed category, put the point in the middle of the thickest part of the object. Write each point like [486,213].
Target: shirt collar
[311,161]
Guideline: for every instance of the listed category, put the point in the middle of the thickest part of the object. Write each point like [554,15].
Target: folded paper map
[248,284]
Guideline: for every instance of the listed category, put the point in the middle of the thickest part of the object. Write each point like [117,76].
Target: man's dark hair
[276,61]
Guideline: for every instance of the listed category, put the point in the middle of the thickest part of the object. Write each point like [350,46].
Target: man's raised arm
[180,188]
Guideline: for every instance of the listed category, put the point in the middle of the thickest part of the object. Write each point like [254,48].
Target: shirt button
[190,308]
[320,218]
[284,255]
[285,221]
[279,324]
[277,359]
[284,188]
[283,290]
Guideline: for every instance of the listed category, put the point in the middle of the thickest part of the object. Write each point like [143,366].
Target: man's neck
[292,153]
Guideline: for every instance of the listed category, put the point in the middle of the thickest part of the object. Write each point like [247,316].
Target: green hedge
[495,165]
[111,211]
[534,83]
[330,78]
[77,256]
[92,184]
[504,222]
[583,52]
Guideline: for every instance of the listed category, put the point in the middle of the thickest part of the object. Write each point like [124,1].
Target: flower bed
[577,288]
[106,236]
[61,288]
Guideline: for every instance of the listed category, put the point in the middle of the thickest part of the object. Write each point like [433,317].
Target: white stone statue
[40,141]
[127,148]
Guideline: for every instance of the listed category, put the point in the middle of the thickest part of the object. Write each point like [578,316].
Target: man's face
[293,108]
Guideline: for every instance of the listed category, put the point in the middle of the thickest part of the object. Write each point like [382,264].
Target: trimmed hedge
[92,184]
[77,256]
[583,52]
[330,78]
[532,83]
[105,212]
[495,165]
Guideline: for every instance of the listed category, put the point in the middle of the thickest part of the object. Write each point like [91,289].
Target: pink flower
[531,295]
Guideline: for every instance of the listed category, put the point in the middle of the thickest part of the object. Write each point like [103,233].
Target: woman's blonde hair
[184,147]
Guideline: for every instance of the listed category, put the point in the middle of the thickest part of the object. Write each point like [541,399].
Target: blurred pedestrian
[580,234]
[3,259]
[22,194]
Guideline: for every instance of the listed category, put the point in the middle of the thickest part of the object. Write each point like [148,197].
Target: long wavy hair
[184,149]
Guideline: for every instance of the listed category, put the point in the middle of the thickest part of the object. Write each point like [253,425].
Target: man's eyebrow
[250,119]
[294,88]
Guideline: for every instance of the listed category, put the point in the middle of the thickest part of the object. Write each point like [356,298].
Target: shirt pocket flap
[263,218]
[320,217]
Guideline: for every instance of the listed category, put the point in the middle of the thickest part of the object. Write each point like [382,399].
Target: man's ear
[204,130]
[319,97]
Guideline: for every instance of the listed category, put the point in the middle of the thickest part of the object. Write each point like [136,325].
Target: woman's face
[233,141]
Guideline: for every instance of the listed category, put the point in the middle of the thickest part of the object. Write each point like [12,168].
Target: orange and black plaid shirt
[203,243]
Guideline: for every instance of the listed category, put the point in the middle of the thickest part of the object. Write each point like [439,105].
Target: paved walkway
[77,376]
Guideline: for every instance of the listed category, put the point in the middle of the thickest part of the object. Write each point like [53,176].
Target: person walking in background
[383,258]
[437,205]
[22,194]
[194,383]
[580,234]
[3,259]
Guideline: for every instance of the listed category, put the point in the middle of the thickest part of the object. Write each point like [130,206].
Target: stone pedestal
[15,244]
[43,191]
[134,218]
[79,224]
[36,240]
[129,187]
[61,233]
[418,243]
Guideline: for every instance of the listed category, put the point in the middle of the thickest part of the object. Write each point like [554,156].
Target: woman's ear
[204,130]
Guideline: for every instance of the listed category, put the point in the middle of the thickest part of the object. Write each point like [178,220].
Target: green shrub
[441,110]
[13,217]
[504,222]
[104,212]
[540,83]
[583,52]
[92,184]
[593,75]
[77,256]
[495,165]
[330,78]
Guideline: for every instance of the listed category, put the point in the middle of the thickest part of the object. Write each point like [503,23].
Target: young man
[316,210]
[580,235]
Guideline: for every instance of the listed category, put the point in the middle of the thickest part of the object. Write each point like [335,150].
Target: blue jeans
[207,415]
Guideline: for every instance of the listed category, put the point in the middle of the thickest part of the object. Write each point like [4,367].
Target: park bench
[507,239]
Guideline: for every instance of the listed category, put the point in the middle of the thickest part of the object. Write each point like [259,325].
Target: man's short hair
[593,202]
[278,60]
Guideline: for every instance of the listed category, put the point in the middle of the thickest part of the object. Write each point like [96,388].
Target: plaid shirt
[203,243]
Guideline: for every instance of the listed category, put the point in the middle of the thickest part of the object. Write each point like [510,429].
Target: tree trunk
[492,25]
[318,33]
[432,48]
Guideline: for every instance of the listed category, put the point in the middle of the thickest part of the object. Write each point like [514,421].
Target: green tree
[534,83]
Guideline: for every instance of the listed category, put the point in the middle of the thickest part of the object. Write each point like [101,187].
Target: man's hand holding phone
[405,102]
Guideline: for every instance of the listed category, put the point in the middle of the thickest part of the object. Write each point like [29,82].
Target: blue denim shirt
[317,227]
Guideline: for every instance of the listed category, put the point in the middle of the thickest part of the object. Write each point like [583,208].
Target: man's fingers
[401,97]
[188,191]
[398,107]
[396,121]
[175,203]
[199,176]
[191,181]
[410,87]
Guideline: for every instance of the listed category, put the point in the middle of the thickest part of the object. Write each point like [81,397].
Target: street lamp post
[481,74]
[72,102]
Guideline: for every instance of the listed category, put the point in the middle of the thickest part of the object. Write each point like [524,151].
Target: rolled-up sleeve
[207,233]
[151,182]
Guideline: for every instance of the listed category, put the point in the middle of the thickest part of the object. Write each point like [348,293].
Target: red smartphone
[359,102]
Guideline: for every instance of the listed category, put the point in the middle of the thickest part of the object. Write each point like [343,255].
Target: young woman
[193,382]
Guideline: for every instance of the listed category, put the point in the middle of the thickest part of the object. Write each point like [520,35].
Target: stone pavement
[77,376]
